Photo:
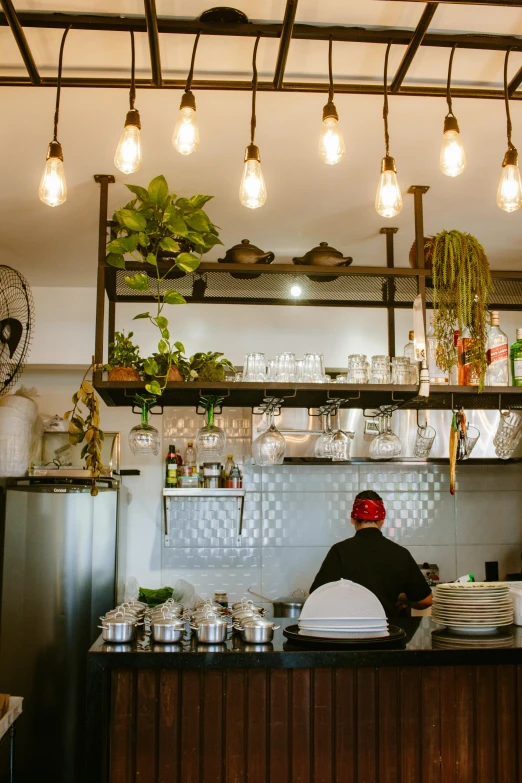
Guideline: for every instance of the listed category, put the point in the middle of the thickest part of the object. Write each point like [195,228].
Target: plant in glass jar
[210,439]
[144,439]
[153,228]
[124,358]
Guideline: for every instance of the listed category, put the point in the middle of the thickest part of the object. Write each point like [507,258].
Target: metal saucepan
[117,632]
[212,630]
[288,606]
[168,631]
[255,633]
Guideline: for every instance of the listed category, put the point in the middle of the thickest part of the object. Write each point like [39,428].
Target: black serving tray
[395,635]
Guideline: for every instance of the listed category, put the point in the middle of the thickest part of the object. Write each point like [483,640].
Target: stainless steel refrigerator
[58,574]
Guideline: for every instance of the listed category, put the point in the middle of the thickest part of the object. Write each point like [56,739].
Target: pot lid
[174,621]
[324,247]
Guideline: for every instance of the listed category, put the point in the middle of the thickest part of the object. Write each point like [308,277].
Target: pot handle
[268,600]
[299,590]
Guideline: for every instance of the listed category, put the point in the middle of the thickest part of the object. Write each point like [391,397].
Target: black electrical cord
[132,93]
[191,72]
[385,109]
[254,90]
[330,72]
[448,85]
[59,84]
[506,98]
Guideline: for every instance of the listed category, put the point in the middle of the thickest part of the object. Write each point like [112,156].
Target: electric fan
[16,323]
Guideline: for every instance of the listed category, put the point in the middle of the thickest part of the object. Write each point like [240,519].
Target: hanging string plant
[461,290]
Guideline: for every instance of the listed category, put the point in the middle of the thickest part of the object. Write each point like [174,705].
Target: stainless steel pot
[288,606]
[168,631]
[117,632]
[256,633]
[212,630]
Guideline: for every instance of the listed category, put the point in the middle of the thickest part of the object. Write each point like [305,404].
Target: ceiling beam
[413,46]
[21,41]
[151,18]
[354,34]
[284,43]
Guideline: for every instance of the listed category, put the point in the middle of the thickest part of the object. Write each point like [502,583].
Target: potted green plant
[209,367]
[124,358]
[162,368]
[461,289]
[154,227]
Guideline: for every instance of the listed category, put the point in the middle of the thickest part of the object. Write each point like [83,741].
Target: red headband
[370,510]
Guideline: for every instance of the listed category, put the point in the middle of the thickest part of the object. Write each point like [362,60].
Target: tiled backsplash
[293,514]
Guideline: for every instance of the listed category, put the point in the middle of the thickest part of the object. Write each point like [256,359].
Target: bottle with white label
[438,376]
[497,354]
[516,359]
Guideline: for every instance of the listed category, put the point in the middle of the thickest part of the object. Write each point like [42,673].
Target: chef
[376,562]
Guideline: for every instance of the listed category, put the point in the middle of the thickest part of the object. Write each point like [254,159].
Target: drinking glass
[357,368]
[322,446]
[269,448]
[508,434]
[299,370]
[401,370]
[472,436]
[424,441]
[340,445]
[144,439]
[386,445]
[254,368]
[341,379]
[313,368]
[285,367]
[380,369]
[271,374]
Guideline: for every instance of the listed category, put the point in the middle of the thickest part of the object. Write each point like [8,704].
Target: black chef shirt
[378,564]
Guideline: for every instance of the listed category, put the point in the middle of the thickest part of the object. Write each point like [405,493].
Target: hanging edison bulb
[388,201]
[53,187]
[252,190]
[331,142]
[128,152]
[185,138]
[452,155]
[509,193]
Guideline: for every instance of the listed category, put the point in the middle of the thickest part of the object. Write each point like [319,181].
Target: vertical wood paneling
[486,724]
[146,725]
[345,726]
[169,726]
[121,751]
[464,725]
[367,747]
[235,725]
[410,723]
[212,727]
[430,723]
[279,729]
[191,749]
[301,725]
[447,724]
[257,718]
[389,747]
[506,709]
[519,722]
[322,722]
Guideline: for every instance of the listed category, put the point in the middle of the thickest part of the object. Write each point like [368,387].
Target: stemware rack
[386,287]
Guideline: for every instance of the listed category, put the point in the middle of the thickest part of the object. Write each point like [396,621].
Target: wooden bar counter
[414,714]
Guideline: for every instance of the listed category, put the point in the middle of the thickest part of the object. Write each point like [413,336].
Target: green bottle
[516,360]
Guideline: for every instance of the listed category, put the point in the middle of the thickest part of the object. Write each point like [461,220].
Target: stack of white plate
[343,610]
[473,607]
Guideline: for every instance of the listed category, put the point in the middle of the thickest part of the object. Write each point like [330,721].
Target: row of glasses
[333,444]
[381,370]
[285,368]
[385,445]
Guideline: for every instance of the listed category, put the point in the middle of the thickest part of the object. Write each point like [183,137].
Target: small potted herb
[124,358]
[209,367]
[168,365]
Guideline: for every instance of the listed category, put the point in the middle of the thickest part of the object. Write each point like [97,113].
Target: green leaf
[178,226]
[184,203]
[131,242]
[133,220]
[141,193]
[187,262]
[138,282]
[199,201]
[151,367]
[161,322]
[153,388]
[118,246]
[197,221]
[158,190]
[116,259]
[151,259]
[180,347]
[169,244]
[163,347]
[141,315]
[143,239]
[173,297]
[165,334]
[211,240]
[196,239]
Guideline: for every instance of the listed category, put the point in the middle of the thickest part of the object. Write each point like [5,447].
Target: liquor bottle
[409,350]
[497,373]
[171,468]
[468,375]
[438,376]
[190,457]
[454,370]
[229,464]
[516,359]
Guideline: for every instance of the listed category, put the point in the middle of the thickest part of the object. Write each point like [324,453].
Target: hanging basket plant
[461,290]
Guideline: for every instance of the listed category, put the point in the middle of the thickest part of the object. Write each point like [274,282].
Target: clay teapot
[246,253]
[323,255]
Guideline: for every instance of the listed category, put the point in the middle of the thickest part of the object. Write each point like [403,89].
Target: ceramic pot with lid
[246,253]
[323,255]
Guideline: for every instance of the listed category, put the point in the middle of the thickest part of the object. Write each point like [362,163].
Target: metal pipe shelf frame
[386,287]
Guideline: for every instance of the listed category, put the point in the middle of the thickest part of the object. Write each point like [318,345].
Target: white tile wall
[489,518]
[471,559]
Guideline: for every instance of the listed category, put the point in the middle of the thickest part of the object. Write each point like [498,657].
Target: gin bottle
[497,373]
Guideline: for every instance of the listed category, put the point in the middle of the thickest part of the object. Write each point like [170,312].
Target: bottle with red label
[497,354]
[469,374]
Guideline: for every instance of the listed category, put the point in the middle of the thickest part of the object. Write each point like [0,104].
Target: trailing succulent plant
[157,226]
[123,352]
[462,286]
[84,425]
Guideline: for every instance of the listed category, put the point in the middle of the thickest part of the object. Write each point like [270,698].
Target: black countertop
[426,644]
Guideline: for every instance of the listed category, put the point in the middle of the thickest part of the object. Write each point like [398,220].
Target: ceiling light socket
[188,101]
[252,153]
[133,118]
[54,150]
[451,124]
[388,164]
[510,158]
[329,111]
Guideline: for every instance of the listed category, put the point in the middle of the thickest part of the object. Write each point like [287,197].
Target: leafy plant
[84,425]
[462,286]
[209,366]
[123,352]
[158,365]
[155,225]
